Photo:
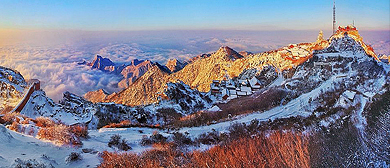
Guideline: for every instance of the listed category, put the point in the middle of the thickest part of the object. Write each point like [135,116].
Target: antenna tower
[334,17]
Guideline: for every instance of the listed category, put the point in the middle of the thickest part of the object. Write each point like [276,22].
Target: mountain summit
[349,39]
[101,63]
[228,53]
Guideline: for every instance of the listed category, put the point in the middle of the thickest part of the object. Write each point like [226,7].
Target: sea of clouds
[52,57]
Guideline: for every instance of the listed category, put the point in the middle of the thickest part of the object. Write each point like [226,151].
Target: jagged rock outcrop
[175,65]
[245,53]
[143,91]
[96,96]
[103,64]
[189,100]
[230,53]
[133,71]
[41,105]
[12,86]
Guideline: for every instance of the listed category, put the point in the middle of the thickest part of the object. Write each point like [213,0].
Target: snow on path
[277,82]
[26,147]
[14,145]
[293,108]
[99,138]
[358,115]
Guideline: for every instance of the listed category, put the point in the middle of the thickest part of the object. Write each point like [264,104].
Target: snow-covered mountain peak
[5,136]
[348,39]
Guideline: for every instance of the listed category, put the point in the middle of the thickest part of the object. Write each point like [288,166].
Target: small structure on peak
[255,83]
[352,32]
[36,83]
[320,36]
[334,17]
[215,87]
[346,29]
[385,59]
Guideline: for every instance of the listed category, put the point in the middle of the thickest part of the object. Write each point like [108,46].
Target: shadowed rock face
[103,64]
[175,65]
[230,53]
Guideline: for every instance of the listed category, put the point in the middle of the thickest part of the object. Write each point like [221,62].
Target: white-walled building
[230,89]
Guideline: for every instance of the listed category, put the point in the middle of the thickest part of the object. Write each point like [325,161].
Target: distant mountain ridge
[101,63]
[130,71]
[226,63]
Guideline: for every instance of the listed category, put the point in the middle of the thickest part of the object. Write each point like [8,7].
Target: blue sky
[191,14]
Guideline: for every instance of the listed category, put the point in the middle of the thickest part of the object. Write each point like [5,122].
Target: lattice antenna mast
[334,17]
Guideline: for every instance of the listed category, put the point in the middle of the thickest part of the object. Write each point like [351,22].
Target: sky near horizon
[100,15]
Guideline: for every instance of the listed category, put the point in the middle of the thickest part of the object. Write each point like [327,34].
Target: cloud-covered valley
[54,60]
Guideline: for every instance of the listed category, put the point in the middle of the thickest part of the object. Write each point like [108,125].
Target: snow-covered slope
[40,105]
[328,88]
[338,81]
[73,109]
[19,150]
